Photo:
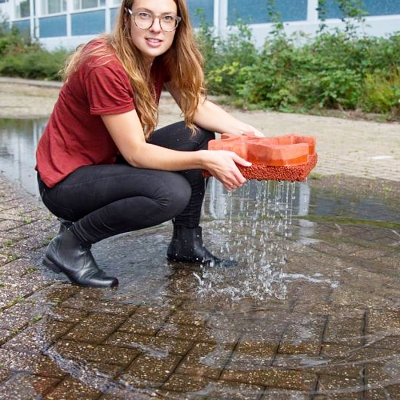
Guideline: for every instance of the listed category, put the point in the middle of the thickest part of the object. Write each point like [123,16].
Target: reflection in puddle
[311,309]
[18,141]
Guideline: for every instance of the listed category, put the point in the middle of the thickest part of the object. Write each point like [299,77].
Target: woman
[102,167]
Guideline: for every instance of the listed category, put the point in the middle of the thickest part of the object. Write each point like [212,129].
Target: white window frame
[18,9]
[44,7]
[78,5]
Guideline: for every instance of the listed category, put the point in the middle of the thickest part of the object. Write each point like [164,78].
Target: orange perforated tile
[283,158]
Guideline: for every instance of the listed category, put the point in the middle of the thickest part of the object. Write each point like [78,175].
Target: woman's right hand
[222,165]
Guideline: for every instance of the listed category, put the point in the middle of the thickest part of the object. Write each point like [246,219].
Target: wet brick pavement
[335,334]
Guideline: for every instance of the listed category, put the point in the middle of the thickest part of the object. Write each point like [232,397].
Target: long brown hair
[183,63]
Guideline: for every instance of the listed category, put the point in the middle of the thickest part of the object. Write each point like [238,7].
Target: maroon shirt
[75,134]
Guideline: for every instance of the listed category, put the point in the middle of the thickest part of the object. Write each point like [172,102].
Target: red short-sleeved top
[75,134]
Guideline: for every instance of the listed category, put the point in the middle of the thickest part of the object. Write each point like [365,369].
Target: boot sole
[222,263]
[49,264]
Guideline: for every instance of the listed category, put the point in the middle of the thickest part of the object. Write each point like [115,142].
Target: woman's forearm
[212,117]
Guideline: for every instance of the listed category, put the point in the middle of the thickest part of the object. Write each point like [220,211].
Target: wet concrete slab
[320,321]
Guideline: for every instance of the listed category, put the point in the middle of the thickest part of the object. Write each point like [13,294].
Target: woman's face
[154,41]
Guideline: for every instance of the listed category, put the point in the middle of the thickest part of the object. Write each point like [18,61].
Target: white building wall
[374,26]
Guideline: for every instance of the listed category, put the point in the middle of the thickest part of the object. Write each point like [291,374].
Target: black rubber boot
[64,225]
[67,254]
[187,246]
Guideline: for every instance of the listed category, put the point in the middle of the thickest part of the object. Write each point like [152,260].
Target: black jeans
[106,200]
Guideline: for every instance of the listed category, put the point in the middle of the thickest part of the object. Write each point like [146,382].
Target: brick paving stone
[95,353]
[18,316]
[146,320]
[73,389]
[132,395]
[16,289]
[390,260]
[5,335]
[273,377]
[341,396]
[388,318]
[383,340]
[87,330]
[272,394]
[20,267]
[88,304]
[319,365]
[218,390]
[345,386]
[26,386]
[199,333]
[10,224]
[383,393]
[248,362]
[253,347]
[186,383]
[38,337]
[150,344]
[347,330]
[205,359]
[62,314]
[55,294]
[304,337]
[382,371]
[150,371]
[14,361]
[191,317]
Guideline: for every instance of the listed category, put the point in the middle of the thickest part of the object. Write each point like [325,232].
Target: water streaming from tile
[255,225]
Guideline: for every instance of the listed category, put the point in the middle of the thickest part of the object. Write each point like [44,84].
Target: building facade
[68,23]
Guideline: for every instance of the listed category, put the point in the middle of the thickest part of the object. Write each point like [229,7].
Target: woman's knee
[203,136]
[176,193]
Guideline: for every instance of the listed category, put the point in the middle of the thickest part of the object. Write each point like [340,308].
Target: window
[372,7]
[256,11]
[199,9]
[82,4]
[53,6]
[22,8]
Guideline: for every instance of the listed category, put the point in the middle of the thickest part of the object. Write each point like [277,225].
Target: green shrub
[20,56]
[269,80]
[381,92]
[335,70]
[225,58]
[39,64]
[13,41]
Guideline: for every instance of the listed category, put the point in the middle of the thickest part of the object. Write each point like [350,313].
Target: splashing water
[254,224]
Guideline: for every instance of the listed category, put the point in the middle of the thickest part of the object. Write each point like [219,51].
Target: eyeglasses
[145,20]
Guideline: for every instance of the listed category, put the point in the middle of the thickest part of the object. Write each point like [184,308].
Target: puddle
[18,142]
[310,311]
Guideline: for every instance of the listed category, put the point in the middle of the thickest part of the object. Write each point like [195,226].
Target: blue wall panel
[256,11]
[207,10]
[88,23]
[372,7]
[23,26]
[53,26]
[113,16]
